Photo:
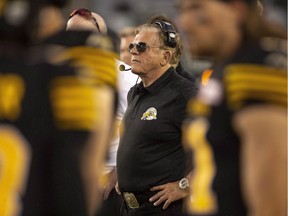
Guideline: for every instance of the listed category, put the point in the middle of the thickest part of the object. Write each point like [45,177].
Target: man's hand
[168,193]
[112,180]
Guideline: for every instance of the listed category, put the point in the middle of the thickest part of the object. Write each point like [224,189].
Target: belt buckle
[131,200]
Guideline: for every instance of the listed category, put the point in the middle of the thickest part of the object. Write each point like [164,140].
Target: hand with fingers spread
[168,193]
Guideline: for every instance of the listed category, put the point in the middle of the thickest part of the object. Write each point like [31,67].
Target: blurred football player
[238,127]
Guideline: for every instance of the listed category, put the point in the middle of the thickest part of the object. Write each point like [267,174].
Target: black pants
[148,209]
[111,206]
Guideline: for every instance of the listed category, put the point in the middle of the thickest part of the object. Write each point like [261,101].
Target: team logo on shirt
[150,114]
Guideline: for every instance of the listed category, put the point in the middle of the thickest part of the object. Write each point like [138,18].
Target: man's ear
[167,55]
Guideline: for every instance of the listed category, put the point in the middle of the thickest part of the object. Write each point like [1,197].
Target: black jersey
[48,110]
[253,76]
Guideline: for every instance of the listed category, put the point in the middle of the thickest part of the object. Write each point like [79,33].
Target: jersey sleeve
[74,97]
[249,84]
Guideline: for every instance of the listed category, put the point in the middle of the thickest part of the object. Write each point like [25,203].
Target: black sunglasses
[85,14]
[140,47]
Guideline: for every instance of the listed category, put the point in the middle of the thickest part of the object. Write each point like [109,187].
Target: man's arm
[94,154]
[263,130]
[112,174]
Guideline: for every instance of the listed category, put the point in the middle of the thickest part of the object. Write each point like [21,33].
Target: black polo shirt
[150,151]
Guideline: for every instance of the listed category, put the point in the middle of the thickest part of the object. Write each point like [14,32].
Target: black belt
[134,200]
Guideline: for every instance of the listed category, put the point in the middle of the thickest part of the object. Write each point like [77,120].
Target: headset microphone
[122,68]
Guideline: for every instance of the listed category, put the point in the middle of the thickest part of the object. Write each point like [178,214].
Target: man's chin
[135,71]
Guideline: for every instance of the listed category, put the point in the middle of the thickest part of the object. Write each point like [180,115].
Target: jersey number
[203,200]
[14,159]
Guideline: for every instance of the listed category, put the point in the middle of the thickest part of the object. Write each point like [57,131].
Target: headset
[169,32]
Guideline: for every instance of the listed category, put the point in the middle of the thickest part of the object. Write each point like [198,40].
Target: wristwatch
[184,184]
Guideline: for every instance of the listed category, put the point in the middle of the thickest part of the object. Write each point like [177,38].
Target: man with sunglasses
[151,159]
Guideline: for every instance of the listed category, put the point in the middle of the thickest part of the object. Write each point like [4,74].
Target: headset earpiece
[169,32]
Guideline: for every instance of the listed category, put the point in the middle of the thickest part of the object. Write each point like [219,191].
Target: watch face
[184,183]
